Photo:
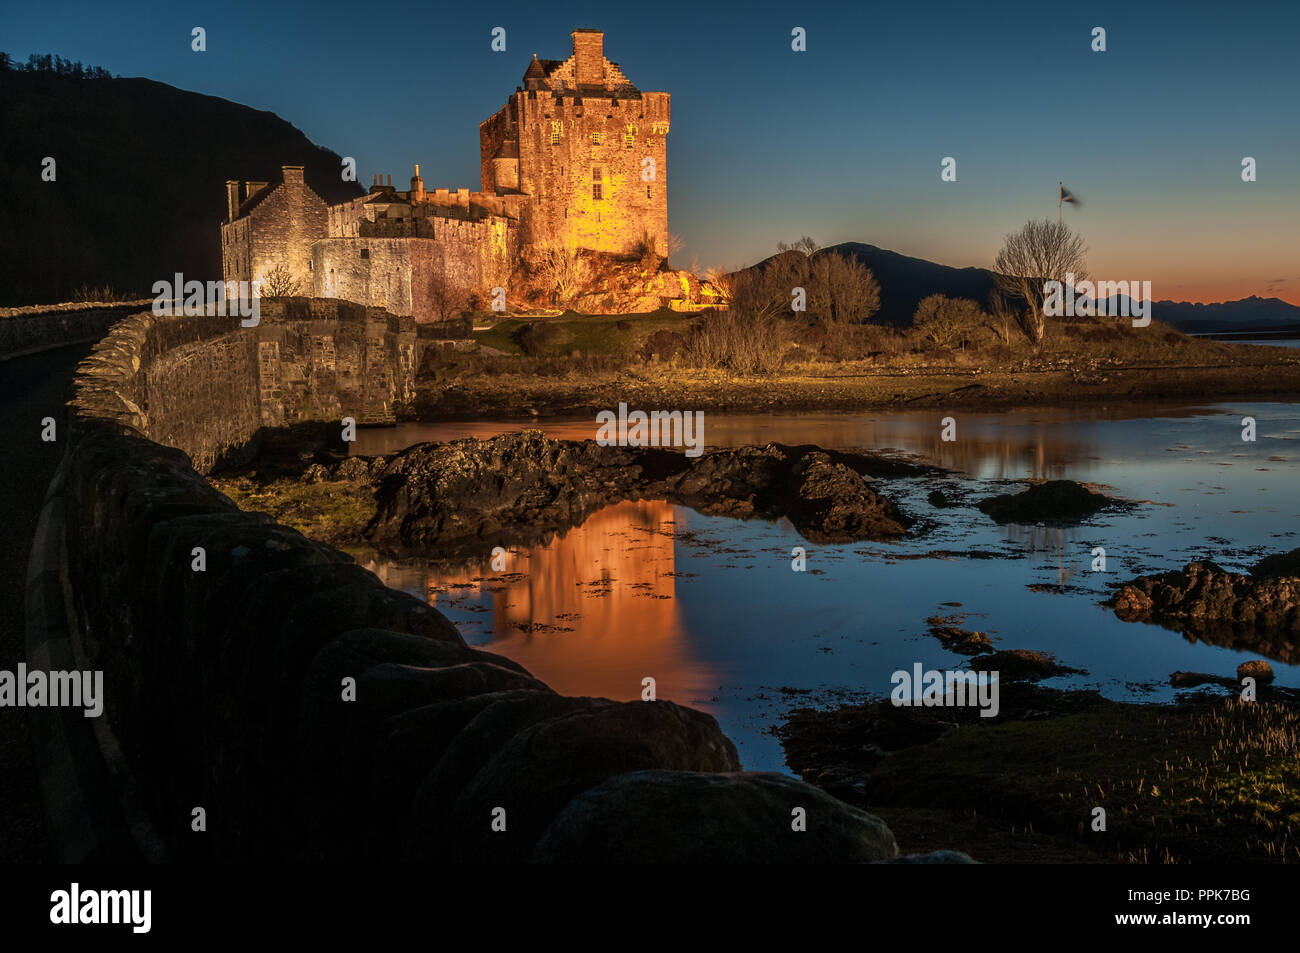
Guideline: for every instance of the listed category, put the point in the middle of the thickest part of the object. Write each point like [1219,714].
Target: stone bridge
[267,698]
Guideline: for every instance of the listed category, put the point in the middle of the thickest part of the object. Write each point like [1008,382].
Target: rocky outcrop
[539,770]
[1056,502]
[680,817]
[1022,665]
[961,641]
[1257,669]
[610,284]
[1259,611]
[469,492]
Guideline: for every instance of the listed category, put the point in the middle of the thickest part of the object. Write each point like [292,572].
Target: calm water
[711,608]
[1267,342]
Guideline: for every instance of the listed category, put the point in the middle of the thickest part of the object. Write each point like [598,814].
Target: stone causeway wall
[41,327]
[314,714]
[208,385]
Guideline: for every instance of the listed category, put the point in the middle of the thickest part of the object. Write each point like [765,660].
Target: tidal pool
[712,609]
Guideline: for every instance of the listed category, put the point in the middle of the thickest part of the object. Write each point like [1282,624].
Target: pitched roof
[256,198]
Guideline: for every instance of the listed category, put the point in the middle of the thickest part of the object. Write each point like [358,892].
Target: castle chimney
[232,199]
[417,185]
[389,183]
[589,57]
[292,173]
[252,188]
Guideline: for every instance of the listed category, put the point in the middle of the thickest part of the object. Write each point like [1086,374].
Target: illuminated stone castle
[576,159]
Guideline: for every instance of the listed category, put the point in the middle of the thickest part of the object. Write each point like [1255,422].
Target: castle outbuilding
[576,159]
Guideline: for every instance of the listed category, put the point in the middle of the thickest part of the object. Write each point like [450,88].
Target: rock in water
[1258,669]
[833,504]
[1259,612]
[462,494]
[1280,564]
[1053,502]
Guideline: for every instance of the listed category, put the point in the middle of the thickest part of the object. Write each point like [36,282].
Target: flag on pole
[1068,196]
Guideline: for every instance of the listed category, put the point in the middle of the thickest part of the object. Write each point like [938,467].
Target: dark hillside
[140,187]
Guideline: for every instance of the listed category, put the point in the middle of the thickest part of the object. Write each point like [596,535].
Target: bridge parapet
[268,685]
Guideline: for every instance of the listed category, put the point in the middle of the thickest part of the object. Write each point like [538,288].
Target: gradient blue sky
[842,142]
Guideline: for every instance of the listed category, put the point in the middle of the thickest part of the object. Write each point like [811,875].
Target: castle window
[647,191]
[365,253]
[595,183]
[557,130]
[628,140]
[595,138]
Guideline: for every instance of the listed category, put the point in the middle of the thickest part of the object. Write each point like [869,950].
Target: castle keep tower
[587,148]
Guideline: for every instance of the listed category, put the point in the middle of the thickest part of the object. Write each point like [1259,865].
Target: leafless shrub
[279,282]
[947,322]
[103,293]
[733,340]
[560,270]
[446,300]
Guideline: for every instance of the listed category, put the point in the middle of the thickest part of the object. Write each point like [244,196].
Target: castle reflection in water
[592,612]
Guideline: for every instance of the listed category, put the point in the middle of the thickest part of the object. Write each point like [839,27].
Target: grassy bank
[577,364]
[330,511]
[1206,781]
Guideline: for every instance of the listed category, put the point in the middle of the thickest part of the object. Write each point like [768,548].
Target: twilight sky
[842,142]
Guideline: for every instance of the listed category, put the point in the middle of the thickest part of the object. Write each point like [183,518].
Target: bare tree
[1041,251]
[806,245]
[763,291]
[842,291]
[279,282]
[559,268]
[723,281]
[446,300]
[1000,317]
[675,244]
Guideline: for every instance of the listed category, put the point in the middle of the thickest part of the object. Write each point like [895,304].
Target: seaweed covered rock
[1259,611]
[1053,502]
[465,493]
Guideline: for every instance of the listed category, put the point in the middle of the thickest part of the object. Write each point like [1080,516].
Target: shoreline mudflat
[851,387]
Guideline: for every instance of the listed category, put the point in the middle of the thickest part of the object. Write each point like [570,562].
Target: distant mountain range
[904,281]
[1253,314]
[139,190]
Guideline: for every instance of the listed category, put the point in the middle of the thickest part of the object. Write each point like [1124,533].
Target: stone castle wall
[398,273]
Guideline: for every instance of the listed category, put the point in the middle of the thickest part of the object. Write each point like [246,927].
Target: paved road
[31,388]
